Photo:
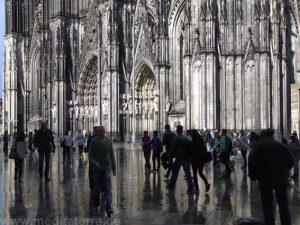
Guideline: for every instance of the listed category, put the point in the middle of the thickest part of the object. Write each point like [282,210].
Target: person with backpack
[146,143]
[20,149]
[156,146]
[198,151]
[180,151]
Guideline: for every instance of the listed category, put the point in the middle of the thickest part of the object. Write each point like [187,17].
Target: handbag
[13,153]
[207,157]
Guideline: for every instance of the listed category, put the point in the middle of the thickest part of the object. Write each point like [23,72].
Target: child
[21,151]
[157,149]
[147,150]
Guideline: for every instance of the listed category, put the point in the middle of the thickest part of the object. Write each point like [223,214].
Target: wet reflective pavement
[138,198]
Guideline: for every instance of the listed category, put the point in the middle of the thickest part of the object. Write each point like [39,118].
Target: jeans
[187,170]
[244,155]
[296,162]
[18,168]
[198,167]
[266,191]
[102,181]
[156,157]
[66,151]
[225,159]
[147,155]
[80,147]
[5,149]
[170,166]
[44,156]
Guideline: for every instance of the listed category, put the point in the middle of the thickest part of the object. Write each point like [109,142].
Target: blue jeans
[44,156]
[102,181]
[187,170]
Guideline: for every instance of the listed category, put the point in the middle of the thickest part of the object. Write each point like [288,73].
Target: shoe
[47,179]
[109,211]
[207,187]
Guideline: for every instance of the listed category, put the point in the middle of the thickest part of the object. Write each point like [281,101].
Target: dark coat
[270,161]
[44,140]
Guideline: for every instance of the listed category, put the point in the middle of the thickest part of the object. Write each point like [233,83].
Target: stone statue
[54,111]
[130,106]
[168,105]
[155,103]
[76,111]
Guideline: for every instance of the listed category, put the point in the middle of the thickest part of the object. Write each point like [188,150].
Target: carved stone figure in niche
[105,107]
[145,106]
[76,111]
[81,111]
[155,103]
[168,105]
[54,111]
[130,111]
[87,111]
[124,105]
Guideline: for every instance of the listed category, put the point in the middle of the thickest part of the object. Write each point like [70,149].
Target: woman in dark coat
[198,150]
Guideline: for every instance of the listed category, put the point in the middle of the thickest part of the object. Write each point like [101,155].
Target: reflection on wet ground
[139,198]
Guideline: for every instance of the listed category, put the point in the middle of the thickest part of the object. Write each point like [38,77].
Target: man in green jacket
[101,157]
[225,150]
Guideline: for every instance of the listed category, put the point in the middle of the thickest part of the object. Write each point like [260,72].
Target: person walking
[90,137]
[270,163]
[168,139]
[146,143]
[5,144]
[294,145]
[101,156]
[66,147]
[80,143]
[225,151]
[44,142]
[21,151]
[30,142]
[198,150]
[156,146]
[243,138]
[180,151]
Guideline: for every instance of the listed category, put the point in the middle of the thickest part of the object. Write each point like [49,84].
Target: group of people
[100,153]
[180,150]
[269,161]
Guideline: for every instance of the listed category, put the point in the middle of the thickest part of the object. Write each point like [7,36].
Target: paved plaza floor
[138,198]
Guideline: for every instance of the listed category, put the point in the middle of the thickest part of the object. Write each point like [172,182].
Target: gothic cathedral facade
[134,65]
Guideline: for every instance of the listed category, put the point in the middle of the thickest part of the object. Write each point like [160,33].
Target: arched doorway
[86,115]
[146,100]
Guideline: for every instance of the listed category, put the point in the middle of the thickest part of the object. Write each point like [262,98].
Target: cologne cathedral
[134,65]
